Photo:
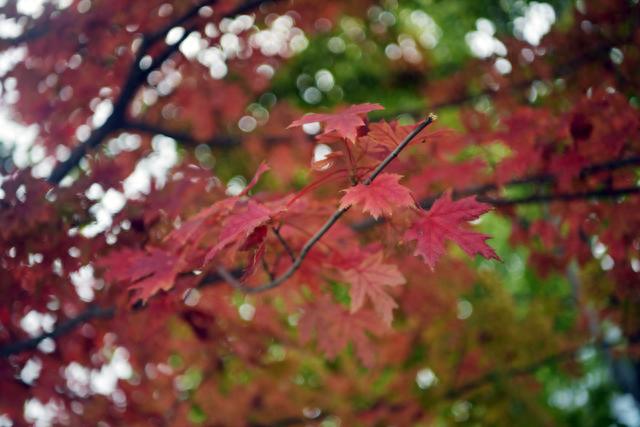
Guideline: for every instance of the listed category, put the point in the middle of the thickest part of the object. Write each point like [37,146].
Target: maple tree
[381,267]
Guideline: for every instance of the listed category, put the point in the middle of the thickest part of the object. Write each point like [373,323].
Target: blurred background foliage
[342,64]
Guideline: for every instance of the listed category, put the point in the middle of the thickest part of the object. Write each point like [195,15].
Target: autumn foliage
[188,246]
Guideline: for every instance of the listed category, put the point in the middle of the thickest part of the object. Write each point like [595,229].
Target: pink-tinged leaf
[386,134]
[444,221]
[240,225]
[264,167]
[380,197]
[368,279]
[335,328]
[345,123]
[191,230]
[383,137]
[148,271]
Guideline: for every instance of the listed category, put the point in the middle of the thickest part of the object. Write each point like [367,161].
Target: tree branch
[93,312]
[327,225]
[225,141]
[152,38]
[483,380]
[135,79]
[606,193]
[544,178]
[184,137]
[32,33]
[284,244]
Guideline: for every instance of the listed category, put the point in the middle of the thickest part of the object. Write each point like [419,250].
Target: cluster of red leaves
[242,223]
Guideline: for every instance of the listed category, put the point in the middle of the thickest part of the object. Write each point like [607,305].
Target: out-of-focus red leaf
[368,279]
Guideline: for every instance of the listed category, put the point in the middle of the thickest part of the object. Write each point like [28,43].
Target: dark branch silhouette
[93,312]
[607,193]
[543,178]
[28,35]
[496,375]
[182,137]
[135,79]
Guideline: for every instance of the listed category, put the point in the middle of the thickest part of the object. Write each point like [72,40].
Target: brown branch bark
[284,244]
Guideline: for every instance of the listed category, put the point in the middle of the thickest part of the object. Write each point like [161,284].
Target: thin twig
[267,270]
[327,225]
[542,178]
[284,244]
[606,193]
[399,148]
[183,137]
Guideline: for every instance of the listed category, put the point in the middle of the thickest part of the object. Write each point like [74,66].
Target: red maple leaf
[387,134]
[368,279]
[380,197]
[345,123]
[148,271]
[191,230]
[336,327]
[444,221]
[240,225]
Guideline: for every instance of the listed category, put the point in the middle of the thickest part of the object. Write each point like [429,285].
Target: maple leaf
[239,226]
[387,135]
[380,197]
[192,229]
[336,327]
[149,271]
[368,279]
[444,221]
[345,123]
